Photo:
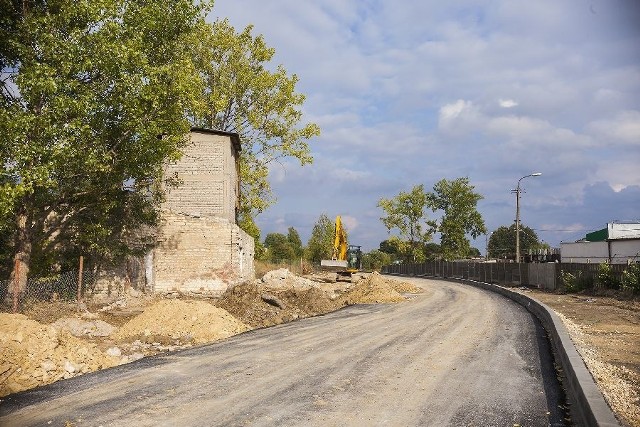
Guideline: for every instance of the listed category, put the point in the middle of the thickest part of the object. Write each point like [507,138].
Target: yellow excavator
[346,259]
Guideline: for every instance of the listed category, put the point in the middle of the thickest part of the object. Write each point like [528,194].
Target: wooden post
[80,278]
[16,286]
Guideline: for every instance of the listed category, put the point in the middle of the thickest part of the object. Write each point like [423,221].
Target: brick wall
[208,177]
[200,255]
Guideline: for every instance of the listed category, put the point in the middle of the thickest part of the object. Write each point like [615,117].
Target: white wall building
[618,243]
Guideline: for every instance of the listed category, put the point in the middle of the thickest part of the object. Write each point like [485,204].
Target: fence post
[79,297]
[16,286]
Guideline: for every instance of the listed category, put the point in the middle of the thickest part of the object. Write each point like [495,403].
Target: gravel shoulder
[606,333]
[451,355]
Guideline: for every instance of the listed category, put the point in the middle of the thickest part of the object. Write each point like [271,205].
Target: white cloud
[507,103]
[453,116]
[350,222]
[623,128]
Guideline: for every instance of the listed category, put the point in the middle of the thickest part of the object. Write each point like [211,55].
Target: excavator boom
[346,257]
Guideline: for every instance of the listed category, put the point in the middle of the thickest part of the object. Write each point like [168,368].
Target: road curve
[454,355]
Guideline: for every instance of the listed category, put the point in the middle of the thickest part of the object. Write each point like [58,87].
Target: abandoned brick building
[199,247]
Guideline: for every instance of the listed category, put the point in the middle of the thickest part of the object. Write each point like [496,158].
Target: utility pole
[518,191]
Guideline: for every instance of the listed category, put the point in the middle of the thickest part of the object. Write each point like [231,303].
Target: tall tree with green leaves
[295,242]
[407,213]
[246,95]
[458,201]
[279,248]
[502,242]
[375,260]
[94,99]
[320,244]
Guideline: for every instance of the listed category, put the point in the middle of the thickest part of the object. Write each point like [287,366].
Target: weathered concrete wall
[208,177]
[200,255]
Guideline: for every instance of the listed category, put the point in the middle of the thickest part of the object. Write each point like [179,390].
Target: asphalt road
[453,356]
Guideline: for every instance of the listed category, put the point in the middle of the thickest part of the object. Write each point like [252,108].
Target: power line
[562,231]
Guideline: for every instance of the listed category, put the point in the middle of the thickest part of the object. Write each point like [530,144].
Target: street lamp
[517,191]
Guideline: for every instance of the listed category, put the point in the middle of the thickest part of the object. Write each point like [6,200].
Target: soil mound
[190,321]
[33,354]
[260,305]
[374,290]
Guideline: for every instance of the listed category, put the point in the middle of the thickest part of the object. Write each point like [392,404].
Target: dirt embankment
[60,340]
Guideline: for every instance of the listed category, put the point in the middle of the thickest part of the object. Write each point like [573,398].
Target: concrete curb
[587,402]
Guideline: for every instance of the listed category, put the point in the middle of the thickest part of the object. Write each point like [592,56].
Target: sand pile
[375,289]
[187,321]
[33,354]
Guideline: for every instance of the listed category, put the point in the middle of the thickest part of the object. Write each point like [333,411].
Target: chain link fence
[73,285]
[62,286]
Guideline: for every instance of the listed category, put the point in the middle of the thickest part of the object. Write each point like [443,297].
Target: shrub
[631,279]
[569,281]
[572,283]
[605,278]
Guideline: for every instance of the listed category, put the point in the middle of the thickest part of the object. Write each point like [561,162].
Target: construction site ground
[54,340]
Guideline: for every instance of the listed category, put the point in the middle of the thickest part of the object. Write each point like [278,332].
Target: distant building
[618,243]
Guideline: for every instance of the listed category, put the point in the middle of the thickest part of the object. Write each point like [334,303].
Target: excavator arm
[347,258]
[340,241]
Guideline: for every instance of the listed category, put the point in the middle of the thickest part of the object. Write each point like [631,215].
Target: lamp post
[517,191]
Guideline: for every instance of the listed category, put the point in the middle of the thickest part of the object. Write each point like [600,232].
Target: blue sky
[410,92]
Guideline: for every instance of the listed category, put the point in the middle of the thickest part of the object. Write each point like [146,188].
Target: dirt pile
[376,289]
[34,354]
[259,306]
[282,297]
[188,321]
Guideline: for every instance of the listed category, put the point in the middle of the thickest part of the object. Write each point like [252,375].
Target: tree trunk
[22,257]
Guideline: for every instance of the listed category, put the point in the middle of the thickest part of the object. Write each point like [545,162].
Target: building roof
[615,231]
[235,138]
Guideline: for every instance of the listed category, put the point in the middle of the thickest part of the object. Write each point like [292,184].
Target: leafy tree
[391,246]
[399,249]
[406,212]
[432,251]
[375,260]
[474,252]
[86,89]
[458,201]
[278,247]
[247,223]
[606,278]
[630,280]
[320,245]
[294,241]
[502,243]
[244,96]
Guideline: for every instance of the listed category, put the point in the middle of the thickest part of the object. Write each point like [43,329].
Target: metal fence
[540,275]
[74,285]
[62,286]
